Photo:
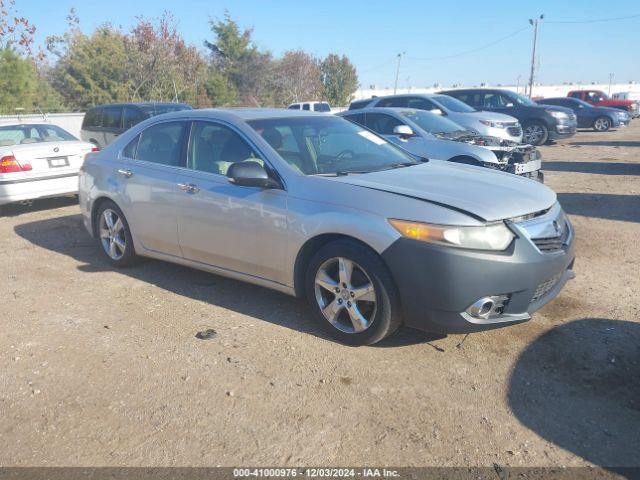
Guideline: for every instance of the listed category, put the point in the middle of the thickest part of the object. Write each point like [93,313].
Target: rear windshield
[152,110]
[33,133]
[452,104]
[322,107]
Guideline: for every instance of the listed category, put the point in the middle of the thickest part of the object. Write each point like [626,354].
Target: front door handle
[189,187]
[125,173]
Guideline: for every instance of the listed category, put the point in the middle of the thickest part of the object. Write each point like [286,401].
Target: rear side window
[381,123]
[359,104]
[321,107]
[161,144]
[305,106]
[91,118]
[575,94]
[112,117]
[132,116]
[420,103]
[393,102]
[130,150]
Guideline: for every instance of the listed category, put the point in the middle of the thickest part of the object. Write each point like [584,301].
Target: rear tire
[114,235]
[352,293]
[535,133]
[602,124]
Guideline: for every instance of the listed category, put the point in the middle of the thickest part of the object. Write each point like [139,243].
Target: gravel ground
[102,367]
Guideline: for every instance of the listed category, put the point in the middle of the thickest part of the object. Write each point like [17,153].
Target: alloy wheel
[345,294]
[601,124]
[533,134]
[112,234]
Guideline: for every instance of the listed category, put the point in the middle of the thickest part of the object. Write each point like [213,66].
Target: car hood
[480,192]
[608,110]
[493,116]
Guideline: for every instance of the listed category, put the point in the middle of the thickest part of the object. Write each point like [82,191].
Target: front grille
[553,244]
[545,287]
[514,131]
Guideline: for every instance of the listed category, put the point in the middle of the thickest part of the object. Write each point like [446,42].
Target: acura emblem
[56,149]
[557,228]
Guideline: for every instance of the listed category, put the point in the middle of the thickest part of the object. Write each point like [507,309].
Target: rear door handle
[125,173]
[189,187]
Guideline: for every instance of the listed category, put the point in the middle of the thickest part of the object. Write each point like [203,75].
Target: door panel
[148,185]
[238,228]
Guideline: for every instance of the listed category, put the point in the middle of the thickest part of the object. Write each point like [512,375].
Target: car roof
[398,110]
[27,125]
[140,104]
[244,113]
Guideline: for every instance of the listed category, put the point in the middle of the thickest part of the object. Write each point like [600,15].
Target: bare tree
[298,77]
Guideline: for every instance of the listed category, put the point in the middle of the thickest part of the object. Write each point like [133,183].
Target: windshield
[453,104]
[522,100]
[33,133]
[431,122]
[327,145]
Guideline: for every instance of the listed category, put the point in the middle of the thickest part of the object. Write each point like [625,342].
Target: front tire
[535,133]
[352,293]
[114,235]
[602,124]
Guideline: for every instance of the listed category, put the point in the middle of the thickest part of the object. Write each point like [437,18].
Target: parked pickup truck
[600,99]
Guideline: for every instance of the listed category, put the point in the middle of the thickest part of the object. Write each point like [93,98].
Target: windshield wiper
[401,165]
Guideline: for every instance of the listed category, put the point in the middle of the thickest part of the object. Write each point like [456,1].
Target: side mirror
[403,131]
[436,111]
[250,174]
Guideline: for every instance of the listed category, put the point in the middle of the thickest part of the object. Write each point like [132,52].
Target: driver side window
[213,148]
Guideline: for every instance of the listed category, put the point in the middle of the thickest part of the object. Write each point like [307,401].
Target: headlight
[486,237]
[492,124]
[555,114]
[622,113]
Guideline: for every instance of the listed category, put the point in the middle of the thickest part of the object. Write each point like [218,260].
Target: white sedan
[39,160]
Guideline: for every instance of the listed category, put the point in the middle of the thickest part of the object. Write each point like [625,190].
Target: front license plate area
[57,162]
[528,167]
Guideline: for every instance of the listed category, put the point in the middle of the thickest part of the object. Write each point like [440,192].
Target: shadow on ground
[600,168]
[607,143]
[17,209]
[624,208]
[66,235]
[578,386]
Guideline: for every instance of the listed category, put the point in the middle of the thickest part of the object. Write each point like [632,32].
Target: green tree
[91,69]
[234,56]
[339,78]
[21,87]
[220,90]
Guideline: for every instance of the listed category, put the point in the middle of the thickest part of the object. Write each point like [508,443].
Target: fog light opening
[488,307]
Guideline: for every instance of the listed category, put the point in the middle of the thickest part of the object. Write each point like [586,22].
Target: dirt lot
[102,367]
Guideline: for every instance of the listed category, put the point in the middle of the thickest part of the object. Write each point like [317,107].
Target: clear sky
[373,32]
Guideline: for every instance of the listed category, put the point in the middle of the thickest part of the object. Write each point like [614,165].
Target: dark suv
[540,123]
[103,123]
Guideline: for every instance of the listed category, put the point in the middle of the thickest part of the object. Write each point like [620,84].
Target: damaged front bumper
[517,158]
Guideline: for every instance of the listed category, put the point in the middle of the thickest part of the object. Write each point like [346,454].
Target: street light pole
[533,22]
[610,79]
[395,86]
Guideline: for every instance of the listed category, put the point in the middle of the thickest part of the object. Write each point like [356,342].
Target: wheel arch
[95,208]
[308,250]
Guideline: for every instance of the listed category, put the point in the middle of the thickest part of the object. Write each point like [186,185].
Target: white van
[311,106]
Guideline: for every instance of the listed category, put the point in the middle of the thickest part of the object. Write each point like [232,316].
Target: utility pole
[518,84]
[395,86]
[534,22]
[610,79]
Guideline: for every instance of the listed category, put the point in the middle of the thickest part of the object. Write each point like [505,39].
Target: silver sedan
[315,206]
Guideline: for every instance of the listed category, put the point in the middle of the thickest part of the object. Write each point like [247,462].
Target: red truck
[600,99]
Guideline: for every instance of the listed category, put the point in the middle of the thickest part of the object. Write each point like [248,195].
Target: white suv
[311,106]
